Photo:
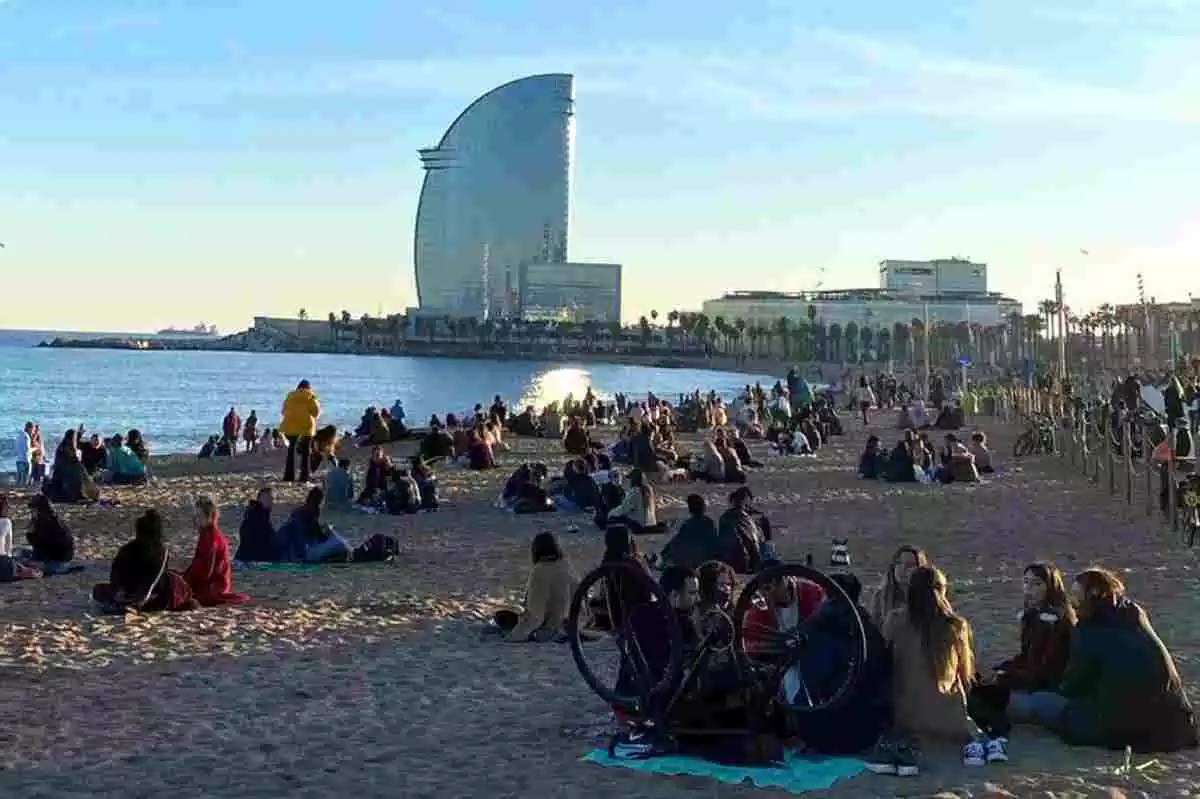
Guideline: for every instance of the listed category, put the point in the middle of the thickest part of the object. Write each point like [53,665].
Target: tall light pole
[1062,336]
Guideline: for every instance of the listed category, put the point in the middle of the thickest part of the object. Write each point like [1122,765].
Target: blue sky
[166,164]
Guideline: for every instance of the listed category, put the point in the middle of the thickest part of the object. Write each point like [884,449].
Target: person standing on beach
[250,431]
[300,411]
[24,454]
[232,428]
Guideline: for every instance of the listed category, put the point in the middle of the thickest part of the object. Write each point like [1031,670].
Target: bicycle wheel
[624,637]
[776,657]
[1023,445]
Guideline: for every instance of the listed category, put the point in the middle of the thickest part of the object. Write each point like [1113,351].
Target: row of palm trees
[1105,336]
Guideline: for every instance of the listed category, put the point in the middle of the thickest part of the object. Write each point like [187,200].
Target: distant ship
[199,331]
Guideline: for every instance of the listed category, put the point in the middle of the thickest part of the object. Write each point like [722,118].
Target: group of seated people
[222,446]
[471,446]
[81,464]
[913,459]
[1090,668]
[141,578]
[388,487]
[381,425]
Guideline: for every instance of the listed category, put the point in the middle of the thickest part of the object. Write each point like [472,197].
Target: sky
[174,162]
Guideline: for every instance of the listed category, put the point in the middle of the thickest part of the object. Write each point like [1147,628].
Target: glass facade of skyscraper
[496,195]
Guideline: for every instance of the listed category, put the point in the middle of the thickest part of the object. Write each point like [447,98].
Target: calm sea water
[177,399]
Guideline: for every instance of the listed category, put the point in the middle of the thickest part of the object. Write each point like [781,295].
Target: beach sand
[374,680]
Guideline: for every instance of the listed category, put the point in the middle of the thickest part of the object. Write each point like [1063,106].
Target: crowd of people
[1090,665]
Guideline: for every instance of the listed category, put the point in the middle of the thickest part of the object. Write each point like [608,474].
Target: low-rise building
[877,309]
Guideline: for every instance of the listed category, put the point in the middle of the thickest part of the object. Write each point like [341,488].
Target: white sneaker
[974,754]
[997,750]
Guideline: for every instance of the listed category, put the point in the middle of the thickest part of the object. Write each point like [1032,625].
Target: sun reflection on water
[554,385]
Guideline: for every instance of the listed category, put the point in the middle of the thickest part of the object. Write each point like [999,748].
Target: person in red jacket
[210,574]
[780,608]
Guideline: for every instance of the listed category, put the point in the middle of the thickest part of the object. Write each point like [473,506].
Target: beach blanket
[300,568]
[799,773]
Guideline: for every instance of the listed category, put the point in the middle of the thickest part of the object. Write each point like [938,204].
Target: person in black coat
[51,540]
[256,535]
[857,722]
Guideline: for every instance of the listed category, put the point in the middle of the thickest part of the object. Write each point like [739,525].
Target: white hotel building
[950,290]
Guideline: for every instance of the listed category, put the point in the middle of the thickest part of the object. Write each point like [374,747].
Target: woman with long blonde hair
[934,659]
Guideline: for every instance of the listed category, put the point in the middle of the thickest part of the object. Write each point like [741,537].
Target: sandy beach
[374,680]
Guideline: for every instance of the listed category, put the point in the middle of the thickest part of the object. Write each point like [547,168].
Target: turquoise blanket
[799,773]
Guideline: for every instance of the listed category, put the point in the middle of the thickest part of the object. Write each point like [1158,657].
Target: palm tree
[835,341]
[644,326]
[345,317]
[851,337]
[783,327]
[302,314]
[653,315]
[332,328]
[865,341]
[740,326]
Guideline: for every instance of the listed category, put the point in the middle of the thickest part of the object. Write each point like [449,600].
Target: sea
[178,399]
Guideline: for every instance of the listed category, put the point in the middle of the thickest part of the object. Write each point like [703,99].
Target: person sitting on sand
[734,473]
[339,487]
[575,440]
[696,541]
[92,455]
[739,536]
[873,463]
[403,495]
[548,595]
[122,465]
[11,569]
[577,490]
[210,574]
[209,448]
[426,480]
[710,466]
[637,512]
[51,540]
[741,450]
[140,578]
[957,466]
[493,434]
[379,469]
[1121,687]
[858,721]
[551,424]
[717,582]
[892,592]
[789,601]
[1047,622]
[137,445]
[525,423]
[256,535]
[479,454]
[979,450]
[304,525]
[934,659]
[69,482]
[436,444]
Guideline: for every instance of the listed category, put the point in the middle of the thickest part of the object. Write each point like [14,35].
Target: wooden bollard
[1127,451]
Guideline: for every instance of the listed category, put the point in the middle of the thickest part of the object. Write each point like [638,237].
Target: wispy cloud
[824,74]
[101,25]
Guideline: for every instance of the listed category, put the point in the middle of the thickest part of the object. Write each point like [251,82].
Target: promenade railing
[1116,458]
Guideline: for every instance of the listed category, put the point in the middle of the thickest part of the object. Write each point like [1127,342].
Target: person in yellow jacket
[300,411]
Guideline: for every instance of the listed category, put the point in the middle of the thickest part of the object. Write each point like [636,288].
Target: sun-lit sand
[374,680]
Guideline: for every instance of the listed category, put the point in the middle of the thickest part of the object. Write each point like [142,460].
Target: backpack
[376,549]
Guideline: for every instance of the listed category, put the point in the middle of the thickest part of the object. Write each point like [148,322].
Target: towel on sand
[799,773]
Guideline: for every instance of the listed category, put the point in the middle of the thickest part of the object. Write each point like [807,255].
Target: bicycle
[1038,438]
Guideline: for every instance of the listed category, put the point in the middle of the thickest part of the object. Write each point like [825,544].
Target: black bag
[376,549]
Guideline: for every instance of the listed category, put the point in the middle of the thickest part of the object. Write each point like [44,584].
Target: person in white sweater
[637,512]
